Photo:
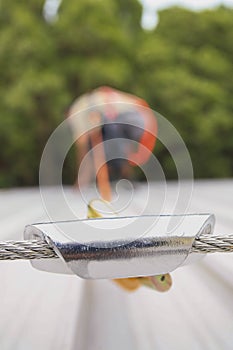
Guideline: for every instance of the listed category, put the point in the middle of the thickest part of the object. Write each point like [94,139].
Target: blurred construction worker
[115,132]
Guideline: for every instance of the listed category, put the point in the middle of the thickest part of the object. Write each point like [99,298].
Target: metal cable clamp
[121,247]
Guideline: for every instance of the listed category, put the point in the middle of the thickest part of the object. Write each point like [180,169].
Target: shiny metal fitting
[121,247]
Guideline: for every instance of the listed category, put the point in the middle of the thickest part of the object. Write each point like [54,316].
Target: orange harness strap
[100,164]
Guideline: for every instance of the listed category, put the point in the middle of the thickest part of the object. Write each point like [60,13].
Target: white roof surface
[41,310]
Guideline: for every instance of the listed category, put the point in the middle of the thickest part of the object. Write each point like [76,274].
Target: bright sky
[150,17]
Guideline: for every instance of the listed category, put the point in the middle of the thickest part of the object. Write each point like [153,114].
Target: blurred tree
[183,69]
[186,69]
[96,41]
[32,93]
[45,66]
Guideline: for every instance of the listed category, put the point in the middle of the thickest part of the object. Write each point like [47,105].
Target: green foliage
[186,74]
[183,69]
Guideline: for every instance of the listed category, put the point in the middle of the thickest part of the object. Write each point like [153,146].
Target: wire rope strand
[39,249]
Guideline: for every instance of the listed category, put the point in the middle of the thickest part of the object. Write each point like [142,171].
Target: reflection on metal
[121,247]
